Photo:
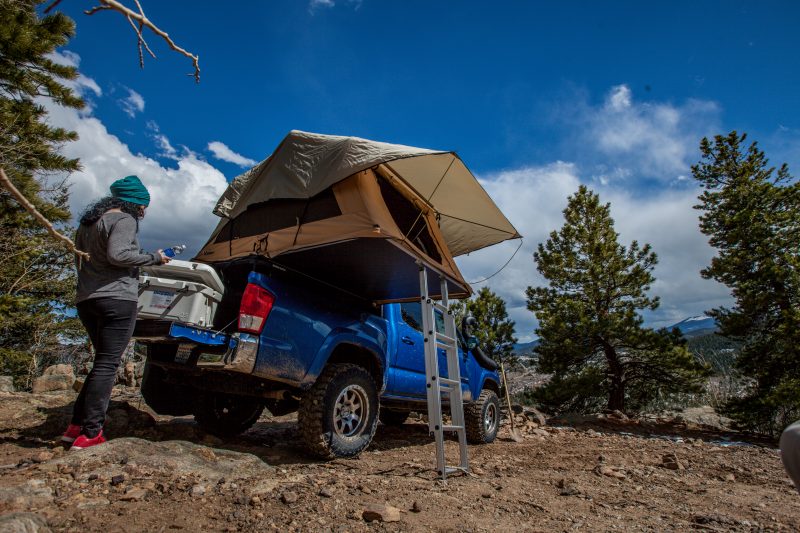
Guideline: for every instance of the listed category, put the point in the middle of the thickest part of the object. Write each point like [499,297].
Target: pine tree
[493,329]
[591,335]
[751,212]
[36,279]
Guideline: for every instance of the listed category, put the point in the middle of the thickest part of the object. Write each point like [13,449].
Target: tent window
[409,219]
[278,214]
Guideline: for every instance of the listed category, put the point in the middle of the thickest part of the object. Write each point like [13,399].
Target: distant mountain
[524,349]
[696,325]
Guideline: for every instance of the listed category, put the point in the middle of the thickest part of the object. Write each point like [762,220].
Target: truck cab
[278,340]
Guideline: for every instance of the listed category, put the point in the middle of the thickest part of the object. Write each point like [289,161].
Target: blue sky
[535,97]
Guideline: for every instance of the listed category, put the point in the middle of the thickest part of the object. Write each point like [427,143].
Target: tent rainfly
[358,214]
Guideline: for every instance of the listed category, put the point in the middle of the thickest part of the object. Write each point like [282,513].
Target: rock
[729,477]
[42,456]
[517,409]
[78,385]
[704,416]
[59,370]
[198,490]
[289,497]
[7,384]
[23,523]
[609,472]
[540,432]
[325,492]
[52,382]
[129,373]
[478,471]
[416,507]
[567,488]
[381,513]
[535,415]
[617,415]
[117,480]
[134,494]
[177,457]
[255,500]
[33,493]
[89,503]
[670,461]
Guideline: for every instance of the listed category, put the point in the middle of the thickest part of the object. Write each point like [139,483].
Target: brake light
[255,308]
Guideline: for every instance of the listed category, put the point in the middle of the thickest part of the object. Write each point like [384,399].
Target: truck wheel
[165,397]
[226,415]
[339,413]
[482,418]
[393,418]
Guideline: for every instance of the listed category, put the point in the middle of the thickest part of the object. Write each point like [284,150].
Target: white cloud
[132,104]
[182,196]
[314,5]
[656,141]
[533,199]
[619,98]
[221,151]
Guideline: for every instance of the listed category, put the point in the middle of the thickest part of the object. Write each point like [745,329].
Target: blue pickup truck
[285,342]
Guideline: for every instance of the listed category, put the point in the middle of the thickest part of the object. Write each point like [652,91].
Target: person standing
[107,292]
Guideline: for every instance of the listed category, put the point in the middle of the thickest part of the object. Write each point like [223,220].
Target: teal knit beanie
[131,189]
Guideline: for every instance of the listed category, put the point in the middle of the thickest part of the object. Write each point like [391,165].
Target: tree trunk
[616,395]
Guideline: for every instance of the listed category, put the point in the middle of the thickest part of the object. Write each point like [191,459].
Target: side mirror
[472,342]
[466,324]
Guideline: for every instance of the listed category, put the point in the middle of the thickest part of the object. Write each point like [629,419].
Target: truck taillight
[254,310]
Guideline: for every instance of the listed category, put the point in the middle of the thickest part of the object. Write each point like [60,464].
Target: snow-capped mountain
[695,324]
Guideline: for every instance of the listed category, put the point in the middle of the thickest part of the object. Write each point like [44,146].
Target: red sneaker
[71,433]
[85,442]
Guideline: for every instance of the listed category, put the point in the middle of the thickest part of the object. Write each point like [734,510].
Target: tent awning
[305,164]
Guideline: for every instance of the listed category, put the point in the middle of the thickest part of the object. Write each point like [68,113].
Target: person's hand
[164,258]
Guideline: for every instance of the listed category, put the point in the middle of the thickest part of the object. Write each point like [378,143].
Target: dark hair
[96,210]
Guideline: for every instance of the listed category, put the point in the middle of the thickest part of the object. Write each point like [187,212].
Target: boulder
[54,378]
[7,384]
[31,494]
[23,523]
[52,382]
[59,370]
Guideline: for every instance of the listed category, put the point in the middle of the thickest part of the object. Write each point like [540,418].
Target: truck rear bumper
[240,356]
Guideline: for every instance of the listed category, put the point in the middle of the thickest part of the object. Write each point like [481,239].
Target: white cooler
[181,291]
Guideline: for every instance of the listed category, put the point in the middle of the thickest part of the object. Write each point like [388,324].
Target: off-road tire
[315,417]
[475,413]
[226,415]
[393,418]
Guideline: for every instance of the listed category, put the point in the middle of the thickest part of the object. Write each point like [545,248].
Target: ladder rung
[452,428]
[444,339]
[440,307]
[454,469]
[447,381]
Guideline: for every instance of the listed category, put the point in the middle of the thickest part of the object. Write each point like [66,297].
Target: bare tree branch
[144,22]
[5,182]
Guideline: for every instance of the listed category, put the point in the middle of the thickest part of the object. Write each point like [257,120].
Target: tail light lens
[255,308]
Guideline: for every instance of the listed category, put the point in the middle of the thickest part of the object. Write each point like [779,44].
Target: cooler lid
[187,271]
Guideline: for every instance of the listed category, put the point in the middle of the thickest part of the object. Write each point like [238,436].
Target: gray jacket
[112,271]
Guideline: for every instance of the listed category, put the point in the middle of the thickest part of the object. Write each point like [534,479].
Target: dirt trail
[599,475]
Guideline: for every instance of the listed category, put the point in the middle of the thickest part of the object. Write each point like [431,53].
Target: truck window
[412,315]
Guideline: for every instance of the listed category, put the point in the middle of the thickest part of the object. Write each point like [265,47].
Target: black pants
[109,324]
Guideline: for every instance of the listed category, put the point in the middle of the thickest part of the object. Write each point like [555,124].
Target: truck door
[409,372]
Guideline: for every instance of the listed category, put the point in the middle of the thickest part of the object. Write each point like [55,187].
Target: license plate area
[184,353]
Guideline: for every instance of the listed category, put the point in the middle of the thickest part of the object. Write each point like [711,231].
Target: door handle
[407,340]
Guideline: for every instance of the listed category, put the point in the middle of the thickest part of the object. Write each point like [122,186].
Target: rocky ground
[591,474]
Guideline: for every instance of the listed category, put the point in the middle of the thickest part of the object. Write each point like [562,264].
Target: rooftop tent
[358,214]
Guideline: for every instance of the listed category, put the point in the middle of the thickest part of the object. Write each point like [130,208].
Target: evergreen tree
[36,278]
[751,212]
[592,339]
[493,329]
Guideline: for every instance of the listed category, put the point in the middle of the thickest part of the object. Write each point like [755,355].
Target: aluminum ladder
[438,385]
